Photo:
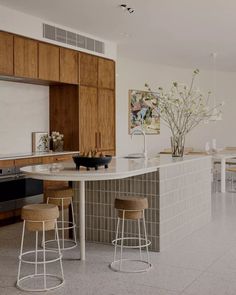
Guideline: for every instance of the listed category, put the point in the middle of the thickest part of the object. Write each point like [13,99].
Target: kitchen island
[178,192]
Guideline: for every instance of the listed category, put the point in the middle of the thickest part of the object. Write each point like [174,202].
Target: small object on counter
[92,162]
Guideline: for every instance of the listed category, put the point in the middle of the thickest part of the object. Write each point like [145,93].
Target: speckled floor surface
[204,263]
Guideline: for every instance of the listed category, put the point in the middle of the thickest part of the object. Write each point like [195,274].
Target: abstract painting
[143,111]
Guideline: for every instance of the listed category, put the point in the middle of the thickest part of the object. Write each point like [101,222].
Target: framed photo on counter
[40,142]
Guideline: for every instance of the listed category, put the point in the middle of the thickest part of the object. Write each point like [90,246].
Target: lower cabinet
[16,192]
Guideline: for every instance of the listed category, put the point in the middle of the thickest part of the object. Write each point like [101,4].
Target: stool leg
[21,251]
[62,223]
[44,258]
[139,238]
[36,252]
[122,239]
[73,219]
[117,233]
[145,235]
[59,249]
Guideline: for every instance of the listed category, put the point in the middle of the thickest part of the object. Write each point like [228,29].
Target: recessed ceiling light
[126,8]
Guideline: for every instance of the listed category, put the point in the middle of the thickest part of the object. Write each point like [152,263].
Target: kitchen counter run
[118,168]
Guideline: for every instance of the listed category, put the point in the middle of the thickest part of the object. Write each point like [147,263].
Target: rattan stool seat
[63,198]
[135,204]
[56,194]
[40,212]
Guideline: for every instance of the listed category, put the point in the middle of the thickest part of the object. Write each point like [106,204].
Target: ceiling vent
[70,38]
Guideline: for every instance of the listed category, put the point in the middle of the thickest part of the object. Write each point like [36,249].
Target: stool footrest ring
[115,266]
[129,239]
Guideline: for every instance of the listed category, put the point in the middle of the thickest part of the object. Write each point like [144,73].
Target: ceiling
[180,33]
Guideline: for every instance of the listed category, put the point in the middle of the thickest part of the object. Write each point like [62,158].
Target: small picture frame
[40,142]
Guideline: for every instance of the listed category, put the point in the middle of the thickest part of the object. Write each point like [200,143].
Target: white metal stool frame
[36,262]
[71,225]
[140,246]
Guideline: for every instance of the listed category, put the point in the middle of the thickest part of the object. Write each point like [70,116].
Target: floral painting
[40,142]
[143,111]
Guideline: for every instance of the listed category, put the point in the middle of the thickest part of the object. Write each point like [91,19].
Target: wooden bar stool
[62,197]
[39,218]
[131,208]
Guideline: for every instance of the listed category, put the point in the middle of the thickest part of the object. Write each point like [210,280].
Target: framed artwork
[40,142]
[143,111]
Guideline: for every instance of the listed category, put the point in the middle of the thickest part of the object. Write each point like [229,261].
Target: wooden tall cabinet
[88,119]
[49,68]
[6,53]
[25,57]
[106,120]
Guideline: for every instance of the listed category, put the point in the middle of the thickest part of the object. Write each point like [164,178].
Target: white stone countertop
[34,155]
[118,168]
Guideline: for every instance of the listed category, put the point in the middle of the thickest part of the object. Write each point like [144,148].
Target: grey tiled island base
[179,197]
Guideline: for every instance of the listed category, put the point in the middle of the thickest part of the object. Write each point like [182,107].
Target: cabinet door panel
[87,118]
[6,54]
[64,111]
[48,62]
[106,119]
[106,73]
[88,69]
[68,66]
[25,57]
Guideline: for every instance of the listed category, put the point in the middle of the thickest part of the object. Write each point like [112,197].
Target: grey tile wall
[179,199]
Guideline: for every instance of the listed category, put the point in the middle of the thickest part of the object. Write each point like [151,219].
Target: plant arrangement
[182,108]
[57,140]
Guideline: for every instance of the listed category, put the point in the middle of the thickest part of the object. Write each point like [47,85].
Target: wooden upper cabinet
[88,65]
[6,54]
[25,57]
[88,135]
[68,66]
[49,56]
[106,73]
[106,119]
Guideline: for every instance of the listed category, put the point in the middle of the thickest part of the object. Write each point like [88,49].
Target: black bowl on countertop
[92,162]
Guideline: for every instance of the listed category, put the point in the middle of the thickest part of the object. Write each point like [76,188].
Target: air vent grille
[70,38]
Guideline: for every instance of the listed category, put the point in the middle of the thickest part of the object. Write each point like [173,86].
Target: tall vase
[177,145]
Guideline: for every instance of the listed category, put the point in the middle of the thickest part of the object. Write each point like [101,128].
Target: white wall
[133,74]
[24,24]
[24,109]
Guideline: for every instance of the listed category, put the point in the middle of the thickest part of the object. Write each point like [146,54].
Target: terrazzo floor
[204,263]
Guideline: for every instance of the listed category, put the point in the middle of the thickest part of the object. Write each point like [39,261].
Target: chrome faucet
[140,131]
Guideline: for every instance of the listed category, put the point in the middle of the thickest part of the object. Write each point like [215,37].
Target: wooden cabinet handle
[100,140]
[96,140]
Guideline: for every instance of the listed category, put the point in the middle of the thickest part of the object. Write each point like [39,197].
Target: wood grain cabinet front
[25,57]
[6,53]
[88,136]
[88,65]
[49,56]
[28,161]
[106,73]
[106,119]
[68,66]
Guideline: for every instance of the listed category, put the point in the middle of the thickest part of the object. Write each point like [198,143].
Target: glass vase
[57,146]
[177,145]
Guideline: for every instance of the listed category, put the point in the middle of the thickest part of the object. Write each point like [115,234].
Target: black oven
[17,190]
